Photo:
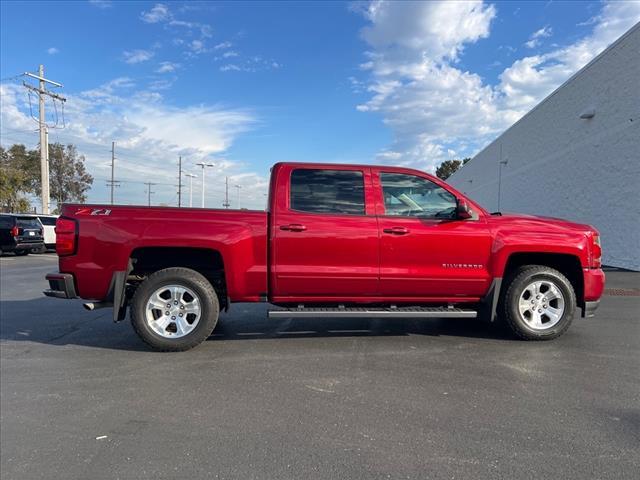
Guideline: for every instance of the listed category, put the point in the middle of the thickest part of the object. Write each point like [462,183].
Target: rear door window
[26,222]
[50,221]
[6,222]
[327,191]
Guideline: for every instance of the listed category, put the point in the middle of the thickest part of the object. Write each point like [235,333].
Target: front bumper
[594,280]
[61,285]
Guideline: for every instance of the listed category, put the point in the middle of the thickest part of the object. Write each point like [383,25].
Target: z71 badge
[93,211]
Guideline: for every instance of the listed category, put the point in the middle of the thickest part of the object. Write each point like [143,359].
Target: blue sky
[246,84]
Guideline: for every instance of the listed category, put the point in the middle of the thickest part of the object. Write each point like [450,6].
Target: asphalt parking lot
[82,397]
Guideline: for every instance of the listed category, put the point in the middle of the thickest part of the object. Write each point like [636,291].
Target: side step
[399,312]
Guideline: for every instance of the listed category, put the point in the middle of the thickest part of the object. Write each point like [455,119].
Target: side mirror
[462,210]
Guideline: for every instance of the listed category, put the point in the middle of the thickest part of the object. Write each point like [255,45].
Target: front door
[325,235]
[425,251]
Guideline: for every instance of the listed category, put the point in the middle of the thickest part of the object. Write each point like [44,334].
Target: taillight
[66,236]
[596,251]
[15,231]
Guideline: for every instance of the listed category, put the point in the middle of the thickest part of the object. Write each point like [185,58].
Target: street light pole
[191,177]
[238,202]
[203,165]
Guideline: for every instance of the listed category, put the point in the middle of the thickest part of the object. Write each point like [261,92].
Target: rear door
[324,234]
[425,251]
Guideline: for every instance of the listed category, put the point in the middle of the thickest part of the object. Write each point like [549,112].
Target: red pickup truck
[336,241]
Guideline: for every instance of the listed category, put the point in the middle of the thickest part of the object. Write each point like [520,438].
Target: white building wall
[584,170]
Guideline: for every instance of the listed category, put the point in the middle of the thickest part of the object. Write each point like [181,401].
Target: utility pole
[179,181]
[238,202]
[203,165]
[44,144]
[226,203]
[191,177]
[149,192]
[113,182]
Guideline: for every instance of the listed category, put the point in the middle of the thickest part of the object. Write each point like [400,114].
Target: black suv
[20,234]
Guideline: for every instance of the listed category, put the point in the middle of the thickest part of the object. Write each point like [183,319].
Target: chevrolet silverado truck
[335,241]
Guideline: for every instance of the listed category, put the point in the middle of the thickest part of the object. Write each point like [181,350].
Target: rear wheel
[174,309]
[539,303]
[21,253]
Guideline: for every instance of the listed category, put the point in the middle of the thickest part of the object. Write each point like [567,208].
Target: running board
[400,312]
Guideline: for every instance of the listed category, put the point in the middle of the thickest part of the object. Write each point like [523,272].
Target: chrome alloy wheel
[173,311]
[541,305]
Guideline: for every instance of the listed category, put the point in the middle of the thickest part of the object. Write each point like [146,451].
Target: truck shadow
[261,328]
[56,322]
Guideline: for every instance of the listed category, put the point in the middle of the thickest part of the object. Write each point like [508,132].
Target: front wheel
[21,253]
[174,309]
[539,303]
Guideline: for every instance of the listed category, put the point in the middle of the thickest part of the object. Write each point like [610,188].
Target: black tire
[185,277]
[509,304]
[21,253]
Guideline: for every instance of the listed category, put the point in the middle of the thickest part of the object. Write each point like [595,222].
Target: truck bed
[109,235]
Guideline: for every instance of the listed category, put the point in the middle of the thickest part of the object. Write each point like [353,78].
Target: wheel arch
[208,262]
[567,264]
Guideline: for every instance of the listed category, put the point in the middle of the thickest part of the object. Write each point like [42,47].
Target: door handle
[396,230]
[293,227]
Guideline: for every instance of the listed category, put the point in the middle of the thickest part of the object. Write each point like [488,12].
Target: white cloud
[197,46]
[159,13]
[223,45]
[535,38]
[167,67]
[437,111]
[52,50]
[149,135]
[437,30]
[250,64]
[137,56]
[229,54]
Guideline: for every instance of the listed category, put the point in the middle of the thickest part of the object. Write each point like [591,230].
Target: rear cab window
[338,192]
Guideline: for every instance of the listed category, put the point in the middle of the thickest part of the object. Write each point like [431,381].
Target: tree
[449,167]
[68,177]
[20,176]
[15,178]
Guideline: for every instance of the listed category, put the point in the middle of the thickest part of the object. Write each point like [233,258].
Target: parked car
[20,234]
[337,241]
[48,228]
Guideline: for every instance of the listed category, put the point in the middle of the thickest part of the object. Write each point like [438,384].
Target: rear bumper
[590,308]
[61,286]
[25,246]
